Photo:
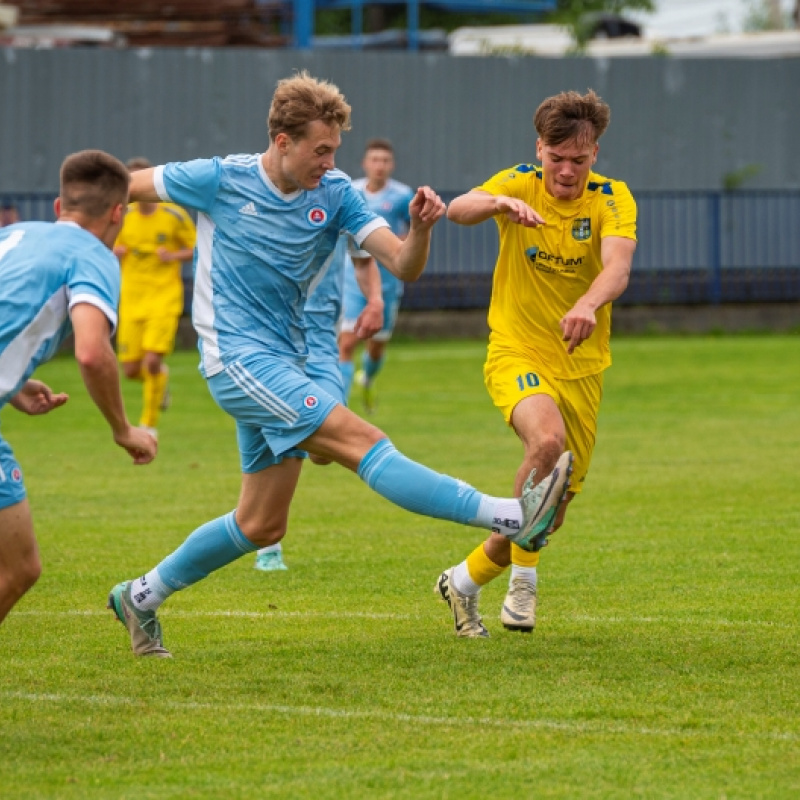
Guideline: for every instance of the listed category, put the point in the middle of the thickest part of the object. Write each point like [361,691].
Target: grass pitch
[665,662]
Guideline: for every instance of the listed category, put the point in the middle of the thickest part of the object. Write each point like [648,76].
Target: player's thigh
[129,338]
[580,404]
[159,333]
[512,377]
[344,437]
[275,404]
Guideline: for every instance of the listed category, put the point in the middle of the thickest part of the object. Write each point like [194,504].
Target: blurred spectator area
[145,23]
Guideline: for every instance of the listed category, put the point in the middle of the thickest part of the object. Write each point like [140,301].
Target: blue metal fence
[694,248]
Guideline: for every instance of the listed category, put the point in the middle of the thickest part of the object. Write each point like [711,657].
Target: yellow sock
[481,568]
[522,558]
[153,392]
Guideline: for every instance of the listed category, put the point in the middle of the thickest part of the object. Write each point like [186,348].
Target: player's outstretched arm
[406,258]
[578,324]
[98,365]
[36,397]
[142,186]
[478,206]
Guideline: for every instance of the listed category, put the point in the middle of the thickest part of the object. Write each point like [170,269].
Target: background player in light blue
[322,317]
[56,279]
[267,223]
[389,199]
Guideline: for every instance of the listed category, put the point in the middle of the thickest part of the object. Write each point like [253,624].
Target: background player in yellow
[567,238]
[154,242]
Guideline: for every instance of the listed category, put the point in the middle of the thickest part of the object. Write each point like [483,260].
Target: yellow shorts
[139,336]
[511,376]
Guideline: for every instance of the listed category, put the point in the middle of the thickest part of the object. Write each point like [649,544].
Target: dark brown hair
[379,144]
[571,116]
[92,182]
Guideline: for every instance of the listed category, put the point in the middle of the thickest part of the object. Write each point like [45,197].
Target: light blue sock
[371,366]
[348,370]
[416,488]
[210,547]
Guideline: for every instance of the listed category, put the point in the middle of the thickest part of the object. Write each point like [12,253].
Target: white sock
[501,514]
[149,591]
[462,581]
[272,548]
[528,574]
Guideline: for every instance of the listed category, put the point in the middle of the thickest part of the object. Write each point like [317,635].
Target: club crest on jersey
[532,252]
[311,401]
[582,229]
[16,475]
[317,216]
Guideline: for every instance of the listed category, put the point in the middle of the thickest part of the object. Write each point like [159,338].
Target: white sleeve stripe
[97,303]
[359,237]
[158,182]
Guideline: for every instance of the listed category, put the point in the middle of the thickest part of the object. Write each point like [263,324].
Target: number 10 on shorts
[531,380]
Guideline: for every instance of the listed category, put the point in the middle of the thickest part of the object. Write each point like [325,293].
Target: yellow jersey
[150,286]
[542,272]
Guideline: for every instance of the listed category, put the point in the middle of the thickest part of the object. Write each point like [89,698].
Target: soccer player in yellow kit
[153,243]
[567,238]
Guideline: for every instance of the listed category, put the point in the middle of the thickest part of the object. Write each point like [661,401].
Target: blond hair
[300,100]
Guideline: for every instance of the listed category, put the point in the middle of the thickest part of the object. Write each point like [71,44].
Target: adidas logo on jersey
[249,209]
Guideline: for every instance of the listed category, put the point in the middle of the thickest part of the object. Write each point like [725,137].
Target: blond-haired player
[567,238]
[154,242]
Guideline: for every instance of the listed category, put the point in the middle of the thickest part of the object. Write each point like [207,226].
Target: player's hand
[141,446]
[426,207]
[369,321]
[577,325]
[120,251]
[164,255]
[518,211]
[36,397]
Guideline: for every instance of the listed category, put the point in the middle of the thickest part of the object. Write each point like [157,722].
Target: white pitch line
[243,614]
[594,727]
[611,620]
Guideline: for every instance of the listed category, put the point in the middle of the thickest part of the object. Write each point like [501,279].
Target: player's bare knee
[320,461]
[132,369]
[14,584]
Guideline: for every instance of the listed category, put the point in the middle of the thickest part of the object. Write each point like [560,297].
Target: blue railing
[694,248]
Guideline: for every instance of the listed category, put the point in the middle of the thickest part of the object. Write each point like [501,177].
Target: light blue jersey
[391,203]
[45,269]
[323,309]
[257,252]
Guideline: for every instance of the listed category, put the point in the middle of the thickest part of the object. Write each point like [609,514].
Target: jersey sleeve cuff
[158,183]
[110,313]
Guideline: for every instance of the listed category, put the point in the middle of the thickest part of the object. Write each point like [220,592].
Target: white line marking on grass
[595,727]
[711,623]
[245,614]
[611,620]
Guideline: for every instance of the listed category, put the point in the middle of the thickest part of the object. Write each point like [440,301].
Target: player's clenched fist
[426,206]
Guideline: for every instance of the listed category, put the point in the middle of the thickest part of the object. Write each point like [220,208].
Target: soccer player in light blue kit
[321,319]
[389,199]
[266,225]
[56,279]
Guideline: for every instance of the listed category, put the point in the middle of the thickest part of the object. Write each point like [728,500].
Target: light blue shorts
[12,488]
[276,406]
[328,376]
[354,302]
